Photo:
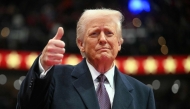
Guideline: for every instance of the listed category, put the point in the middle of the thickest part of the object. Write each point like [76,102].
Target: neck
[102,66]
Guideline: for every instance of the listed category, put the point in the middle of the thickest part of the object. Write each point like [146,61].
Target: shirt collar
[109,74]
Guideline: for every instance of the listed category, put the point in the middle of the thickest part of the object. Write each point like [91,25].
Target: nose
[102,38]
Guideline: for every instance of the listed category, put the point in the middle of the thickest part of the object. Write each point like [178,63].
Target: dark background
[34,22]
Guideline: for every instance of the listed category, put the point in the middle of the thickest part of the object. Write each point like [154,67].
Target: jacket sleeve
[151,101]
[35,93]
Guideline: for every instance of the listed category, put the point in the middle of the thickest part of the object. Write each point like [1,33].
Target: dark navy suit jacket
[71,87]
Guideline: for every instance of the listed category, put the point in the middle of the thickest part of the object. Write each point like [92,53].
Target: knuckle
[50,41]
[63,43]
[50,48]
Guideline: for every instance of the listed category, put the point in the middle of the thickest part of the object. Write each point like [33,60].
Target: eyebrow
[94,28]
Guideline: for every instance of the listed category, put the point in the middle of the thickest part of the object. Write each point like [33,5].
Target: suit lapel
[123,90]
[84,85]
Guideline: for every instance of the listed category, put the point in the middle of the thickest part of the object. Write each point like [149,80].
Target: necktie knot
[102,78]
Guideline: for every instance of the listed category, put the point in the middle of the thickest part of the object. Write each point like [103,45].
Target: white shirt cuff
[42,71]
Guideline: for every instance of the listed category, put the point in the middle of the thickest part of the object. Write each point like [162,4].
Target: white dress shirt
[110,86]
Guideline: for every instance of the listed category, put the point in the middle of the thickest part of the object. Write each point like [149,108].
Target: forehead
[101,22]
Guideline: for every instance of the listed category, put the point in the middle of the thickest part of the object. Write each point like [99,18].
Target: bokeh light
[21,79]
[136,22]
[5,32]
[164,49]
[156,84]
[161,40]
[137,6]
[3,79]
[177,82]
[175,88]
[16,84]
[149,85]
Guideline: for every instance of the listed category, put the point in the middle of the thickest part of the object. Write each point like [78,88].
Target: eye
[109,33]
[93,34]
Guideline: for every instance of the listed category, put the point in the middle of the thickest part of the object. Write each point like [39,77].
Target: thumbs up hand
[54,51]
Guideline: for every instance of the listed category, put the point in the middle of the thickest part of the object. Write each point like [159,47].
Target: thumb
[59,33]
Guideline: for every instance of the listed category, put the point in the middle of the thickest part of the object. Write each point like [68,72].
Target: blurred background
[156,48]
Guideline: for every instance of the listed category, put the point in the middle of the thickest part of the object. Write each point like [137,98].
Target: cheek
[115,47]
[89,46]
[114,43]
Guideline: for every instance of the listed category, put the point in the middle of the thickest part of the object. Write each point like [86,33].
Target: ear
[80,45]
[119,44]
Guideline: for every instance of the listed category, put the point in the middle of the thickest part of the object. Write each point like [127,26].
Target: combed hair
[91,14]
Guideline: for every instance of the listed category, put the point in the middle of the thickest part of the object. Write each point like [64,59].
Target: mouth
[103,49]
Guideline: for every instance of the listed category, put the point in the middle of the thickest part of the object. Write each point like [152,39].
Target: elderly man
[94,83]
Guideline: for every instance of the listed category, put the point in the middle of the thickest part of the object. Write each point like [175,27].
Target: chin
[105,57]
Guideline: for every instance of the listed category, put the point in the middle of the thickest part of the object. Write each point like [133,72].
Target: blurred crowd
[30,24]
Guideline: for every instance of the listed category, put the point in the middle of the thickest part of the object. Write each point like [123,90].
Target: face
[101,40]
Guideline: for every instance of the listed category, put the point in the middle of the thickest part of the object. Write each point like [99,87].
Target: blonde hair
[91,14]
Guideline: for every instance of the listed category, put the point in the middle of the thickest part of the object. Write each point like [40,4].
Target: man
[49,85]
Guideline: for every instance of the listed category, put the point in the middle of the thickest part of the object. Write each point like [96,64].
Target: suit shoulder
[135,83]
[63,69]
